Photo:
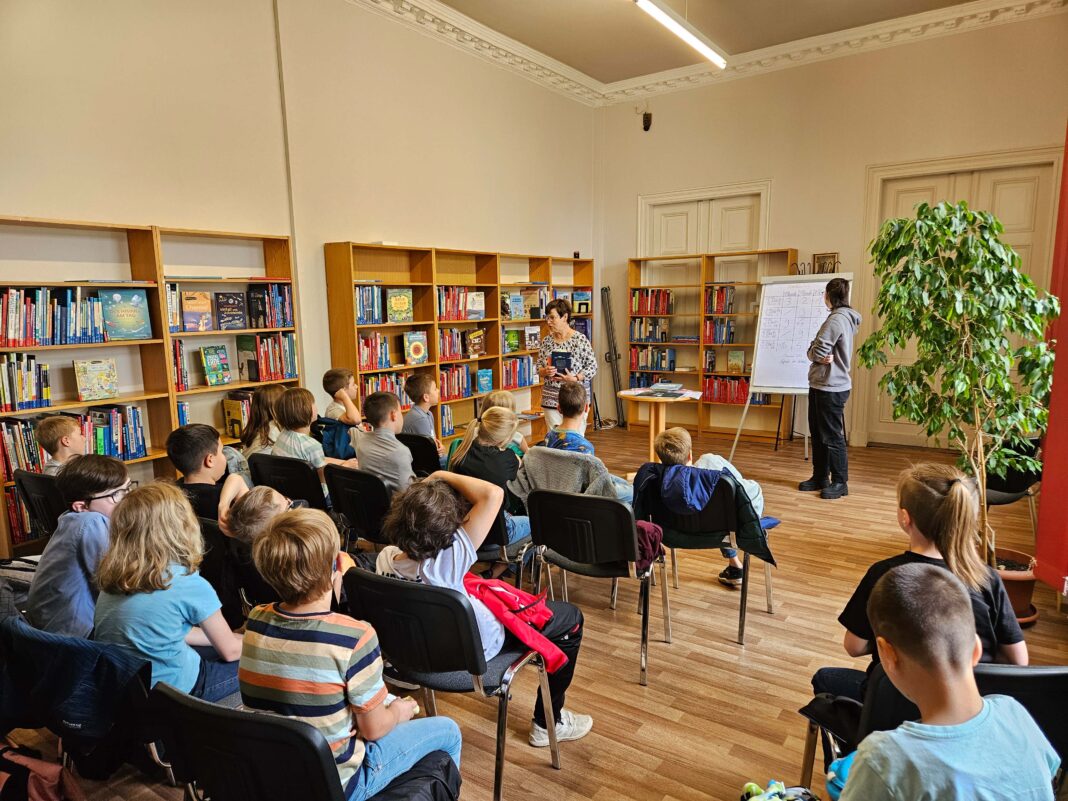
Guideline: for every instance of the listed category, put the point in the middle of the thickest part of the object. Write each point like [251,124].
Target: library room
[493,399]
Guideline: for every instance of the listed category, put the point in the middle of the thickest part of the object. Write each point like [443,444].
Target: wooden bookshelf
[689,279]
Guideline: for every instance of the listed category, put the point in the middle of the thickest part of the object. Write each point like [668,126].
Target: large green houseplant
[982,373]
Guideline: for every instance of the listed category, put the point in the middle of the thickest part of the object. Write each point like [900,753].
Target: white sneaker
[569,727]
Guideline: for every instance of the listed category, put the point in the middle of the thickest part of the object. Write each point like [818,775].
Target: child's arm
[485,500]
[352,414]
[381,720]
[233,488]
[343,462]
[213,631]
[524,445]
[856,646]
[1013,654]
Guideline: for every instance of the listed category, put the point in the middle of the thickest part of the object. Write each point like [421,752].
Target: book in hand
[97,379]
[126,314]
[216,365]
[231,311]
[415,347]
[561,360]
[196,311]
[399,308]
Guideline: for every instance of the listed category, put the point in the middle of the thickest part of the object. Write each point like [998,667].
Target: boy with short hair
[62,438]
[63,592]
[295,411]
[964,746]
[340,385]
[379,451]
[303,661]
[196,451]
[424,392]
[573,404]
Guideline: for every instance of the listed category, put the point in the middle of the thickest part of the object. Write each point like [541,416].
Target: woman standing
[828,390]
[563,339]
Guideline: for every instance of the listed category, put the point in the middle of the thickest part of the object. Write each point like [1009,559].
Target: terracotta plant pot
[1020,585]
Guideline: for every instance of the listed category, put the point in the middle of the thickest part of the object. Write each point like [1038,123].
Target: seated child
[62,438]
[505,400]
[964,746]
[419,420]
[324,668]
[296,413]
[63,591]
[196,451]
[340,385]
[153,600]
[436,527]
[379,451]
[262,428]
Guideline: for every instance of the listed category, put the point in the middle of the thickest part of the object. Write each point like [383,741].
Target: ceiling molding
[443,23]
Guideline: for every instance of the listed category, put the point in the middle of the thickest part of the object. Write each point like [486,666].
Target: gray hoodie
[835,338]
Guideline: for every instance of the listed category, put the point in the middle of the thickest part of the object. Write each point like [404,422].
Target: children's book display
[512,340]
[231,310]
[532,337]
[266,357]
[370,305]
[485,380]
[51,316]
[456,382]
[24,384]
[474,343]
[97,379]
[736,361]
[450,344]
[582,301]
[196,311]
[267,305]
[125,314]
[237,406]
[386,382]
[460,303]
[415,349]
[373,351]
[216,363]
[399,305]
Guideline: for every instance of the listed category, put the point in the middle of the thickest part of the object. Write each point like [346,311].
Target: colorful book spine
[374,352]
[386,382]
[518,372]
[48,316]
[652,301]
[719,332]
[456,382]
[24,384]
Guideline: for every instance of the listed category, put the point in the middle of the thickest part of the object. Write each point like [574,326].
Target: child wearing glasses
[63,593]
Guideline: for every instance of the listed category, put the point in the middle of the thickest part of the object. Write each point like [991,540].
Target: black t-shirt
[995,622]
[205,499]
[495,466]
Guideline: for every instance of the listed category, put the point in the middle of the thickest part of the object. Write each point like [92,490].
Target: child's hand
[353,463]
[440,447]
[406,708]
[827,359]
[341,394]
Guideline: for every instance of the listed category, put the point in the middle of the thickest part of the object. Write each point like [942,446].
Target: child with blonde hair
[62,438]
[499,398]
[153,600]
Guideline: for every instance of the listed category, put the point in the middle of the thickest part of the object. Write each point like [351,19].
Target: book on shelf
[719,332]
[369,305]
[562,294]
[474,343]
[125,314]
[48,316]
[373,351]
[534,302]
[484,379]
[717,389]
[652,358]
[518,372]
[531,337]
[447,426]
[649,329]
[450,344]
[736,361]
[266,357]
[116,431]
[20,448]
[652,301]
[710,361]
[236,406]
[456,382]
[24,383]
[476,306]
[584,325]
[180,372]
[18,518]
[561,360]
[216,363]
[460,303]
[196,311]
[719,300]
[231,310]
[173,296]
[386,382]
[97,379]
[582,301]
[415,347]
[515,306]
[270,305]
[512,341]
[183,413]
[399,305]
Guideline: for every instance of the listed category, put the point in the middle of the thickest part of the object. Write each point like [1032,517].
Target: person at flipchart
[829,384]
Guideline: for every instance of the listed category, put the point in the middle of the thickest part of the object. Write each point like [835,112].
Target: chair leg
[563,582]
[431,703]
[502,737]
[744,599]
[811,736]
[664,598]
[615,594]
[1034,513]
[767,588]
[674,568]
[643,599]
[550,717]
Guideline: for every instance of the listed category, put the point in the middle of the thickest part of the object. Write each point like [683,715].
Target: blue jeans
[624,490]
[388,757]
[217,679]
[518,527]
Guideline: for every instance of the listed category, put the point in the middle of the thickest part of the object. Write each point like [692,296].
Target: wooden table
[657,416]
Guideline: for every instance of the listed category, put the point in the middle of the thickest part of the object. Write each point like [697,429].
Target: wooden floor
[715,714]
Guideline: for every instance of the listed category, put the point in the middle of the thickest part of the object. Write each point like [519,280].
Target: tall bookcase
[427,272]
[90,258]
[692,320]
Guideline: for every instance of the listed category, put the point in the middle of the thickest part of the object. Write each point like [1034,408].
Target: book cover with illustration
[216,365]
[476,306]
[512,340]
[532,336]
[97,379]
[196,311]
[248,365]
[126,314]
[231,311]
[736,361]
[399,305]
[474,343]
[515,306]
[581,300]
[415,347]
[485,380]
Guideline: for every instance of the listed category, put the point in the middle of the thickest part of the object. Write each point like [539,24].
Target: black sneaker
[731,577]
[813,484]
[834,491]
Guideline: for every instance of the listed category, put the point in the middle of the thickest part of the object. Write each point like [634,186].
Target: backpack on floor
[24,776]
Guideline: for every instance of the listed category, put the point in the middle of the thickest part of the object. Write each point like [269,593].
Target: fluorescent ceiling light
[662,13]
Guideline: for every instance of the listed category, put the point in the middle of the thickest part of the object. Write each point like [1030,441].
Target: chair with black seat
[430,639]
[219,571]
[251,586]
[1016,485]
[596,537]
[294,478]
[361,500]
[712,527]
[496,548]
[237,755]
[425,459]
[43,500]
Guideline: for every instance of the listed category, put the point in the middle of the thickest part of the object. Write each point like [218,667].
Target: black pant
[826,424]
[565,630]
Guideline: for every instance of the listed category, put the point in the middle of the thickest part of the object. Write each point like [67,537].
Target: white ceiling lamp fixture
[666,16]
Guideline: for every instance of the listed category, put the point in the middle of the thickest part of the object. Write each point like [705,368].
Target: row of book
[376,305]
[526,338]
[260,357]
[448,428]
[644,380]
[462,381]
[456,343]
[719,300]
[525,304]
[24,384]
[18,518]
[237,408]
[652,359]
[652,301]
[649,329]
[461,303]
[518,372]
[50,316]
[581,300]
[373,351]
[263,306]
[719,332]
[386,382]
[584,325]
[731,390]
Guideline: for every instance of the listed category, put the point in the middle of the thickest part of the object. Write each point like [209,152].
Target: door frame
[648,202]
[876,176]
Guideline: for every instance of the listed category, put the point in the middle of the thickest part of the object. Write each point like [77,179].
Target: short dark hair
[81,477]
[572,399]
[838,292]
[562,307]
[336,379]
[418,385]
[422,519]
[190,445]
[378,405]
[925,612]
[295,409]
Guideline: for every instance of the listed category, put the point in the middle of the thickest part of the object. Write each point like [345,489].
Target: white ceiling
[613,40]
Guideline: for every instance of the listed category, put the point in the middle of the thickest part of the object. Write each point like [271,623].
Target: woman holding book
[564,355]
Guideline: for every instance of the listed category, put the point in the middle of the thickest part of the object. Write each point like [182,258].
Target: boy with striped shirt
[303,661]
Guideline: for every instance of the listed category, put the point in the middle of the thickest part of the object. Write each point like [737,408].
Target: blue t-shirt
[999,754]
[155,624]
[62,595]
[563,439]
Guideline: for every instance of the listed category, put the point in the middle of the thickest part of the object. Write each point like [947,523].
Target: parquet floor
[715,714]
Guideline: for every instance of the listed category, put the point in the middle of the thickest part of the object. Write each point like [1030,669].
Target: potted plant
[982,373]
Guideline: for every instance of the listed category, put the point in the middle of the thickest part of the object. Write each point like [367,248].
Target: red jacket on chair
[521,613]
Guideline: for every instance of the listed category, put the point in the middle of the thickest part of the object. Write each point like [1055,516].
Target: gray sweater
[564,471]
[835,339]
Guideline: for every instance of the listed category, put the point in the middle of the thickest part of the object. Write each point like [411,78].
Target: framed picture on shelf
[825,263]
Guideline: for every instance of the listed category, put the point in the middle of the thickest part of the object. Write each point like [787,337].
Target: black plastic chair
[361,500]
[594,537]
[43,500]
[251,586]
[294,478]
[495,548]
[712,527]
[431,640]
[1014,486]
[237,755]
[219,571]
[425,459]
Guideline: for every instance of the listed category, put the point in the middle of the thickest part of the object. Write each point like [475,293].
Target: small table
[657,416]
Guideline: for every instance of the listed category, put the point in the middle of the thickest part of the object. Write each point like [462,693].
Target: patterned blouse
[583,361]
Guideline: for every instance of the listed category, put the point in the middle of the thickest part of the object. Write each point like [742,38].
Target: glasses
[116,495]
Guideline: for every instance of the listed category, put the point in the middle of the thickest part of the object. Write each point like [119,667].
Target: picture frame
[825,263]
